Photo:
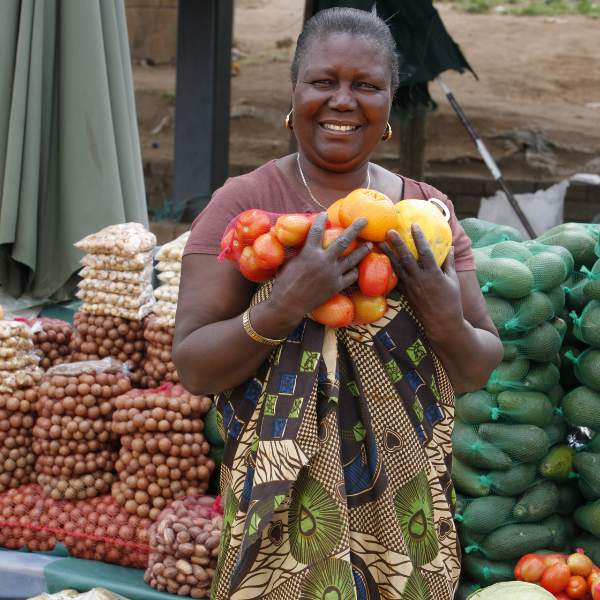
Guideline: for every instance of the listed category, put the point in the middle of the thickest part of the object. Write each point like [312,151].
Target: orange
[376,207]
[367,309]
[333,212]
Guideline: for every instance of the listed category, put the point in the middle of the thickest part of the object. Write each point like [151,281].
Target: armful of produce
[258,242]
[573,576]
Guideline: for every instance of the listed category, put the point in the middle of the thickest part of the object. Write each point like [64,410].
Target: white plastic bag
[544,209]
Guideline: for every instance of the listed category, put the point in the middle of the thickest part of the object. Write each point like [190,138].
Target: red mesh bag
[100,337]
[185,546]
[92,529]
[17,419]
[73,434]
[159,366]
[52,341]
[164,452]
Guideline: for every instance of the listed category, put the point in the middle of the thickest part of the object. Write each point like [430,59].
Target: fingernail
[369,245]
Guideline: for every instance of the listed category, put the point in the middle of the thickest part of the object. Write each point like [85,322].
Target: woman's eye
[365,85]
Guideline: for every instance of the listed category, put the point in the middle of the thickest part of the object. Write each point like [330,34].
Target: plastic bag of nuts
[52,341]
[17,418]
[92,529]
[173,251]
[18,364]
[123,239]
[113,262]
[185,547]
[170,277]
[133,277]
[114,287]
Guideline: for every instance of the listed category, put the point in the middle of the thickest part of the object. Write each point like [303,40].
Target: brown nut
[183,537]
[201,551]
[183,566]
[212,542]
[199,573]
[186,549]
[203,561]
[184,590]
[169,536]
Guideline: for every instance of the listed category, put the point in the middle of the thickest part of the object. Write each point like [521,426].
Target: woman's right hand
[316,274]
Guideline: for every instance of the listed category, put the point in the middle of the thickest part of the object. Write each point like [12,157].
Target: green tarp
[70,159]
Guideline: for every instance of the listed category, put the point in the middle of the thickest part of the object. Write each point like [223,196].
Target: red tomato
[250,270]
[368,309]
[268,251]
[562,596]
[580,564]
[336,312]
[251,224]
[518,567]
[532,569]
[392,282]
[374,274]
[592,581]
[332,234]
[577,587]
[230,240]
[291,230]
[552,559]
[556,578]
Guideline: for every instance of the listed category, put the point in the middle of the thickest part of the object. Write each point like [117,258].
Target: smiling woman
[336,470]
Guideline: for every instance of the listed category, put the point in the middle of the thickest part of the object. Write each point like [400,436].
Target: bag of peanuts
[124,239]
[164,453]
[97,337]
[51,340]
[173,251]
[185,546]
[73,434]
[92,529]
[17,419]
[19,366]
[132,277]
[113,262]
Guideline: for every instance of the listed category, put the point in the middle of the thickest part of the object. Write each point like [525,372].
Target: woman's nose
[342,99]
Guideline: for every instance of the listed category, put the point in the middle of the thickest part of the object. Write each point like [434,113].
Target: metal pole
[487,157]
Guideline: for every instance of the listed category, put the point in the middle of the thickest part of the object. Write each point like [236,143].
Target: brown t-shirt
[268,189]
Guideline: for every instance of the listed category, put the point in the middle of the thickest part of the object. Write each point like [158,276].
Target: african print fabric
[336,468]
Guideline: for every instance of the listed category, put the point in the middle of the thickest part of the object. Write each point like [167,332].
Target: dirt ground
[536,75]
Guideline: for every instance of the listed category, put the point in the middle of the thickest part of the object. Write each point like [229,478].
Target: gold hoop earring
[288,121]
[387,134]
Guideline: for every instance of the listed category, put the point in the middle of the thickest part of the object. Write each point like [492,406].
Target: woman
[336,470]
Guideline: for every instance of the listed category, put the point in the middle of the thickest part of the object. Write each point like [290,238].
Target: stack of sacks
[18,362]
[159,365]
[126,247]
[73,434]
[508,439]
[17,418]
[52,341]
[169,265]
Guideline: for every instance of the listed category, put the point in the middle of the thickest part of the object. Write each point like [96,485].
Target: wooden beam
[201,161]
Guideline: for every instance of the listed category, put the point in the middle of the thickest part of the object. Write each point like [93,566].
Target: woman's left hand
[432,292]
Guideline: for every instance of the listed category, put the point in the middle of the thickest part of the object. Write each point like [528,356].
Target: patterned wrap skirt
[336,468]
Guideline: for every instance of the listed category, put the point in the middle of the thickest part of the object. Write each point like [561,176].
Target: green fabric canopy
[70,159]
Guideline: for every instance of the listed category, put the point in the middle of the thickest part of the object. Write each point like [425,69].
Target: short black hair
[354,22]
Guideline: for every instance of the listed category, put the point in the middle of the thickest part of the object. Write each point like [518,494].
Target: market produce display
[164,452]
[159,364]
[185,547]
[169,259]
[98,337]
[19,366]
[125,247]
[93,529]
[51,340]
[258,242]
[73,436]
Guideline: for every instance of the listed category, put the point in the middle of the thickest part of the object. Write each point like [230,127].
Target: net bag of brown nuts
[19,366]
[185,547]
[99,337]
[73,433]
[92,529]
[51,340]
[17,418]
[164,452]
[159,365]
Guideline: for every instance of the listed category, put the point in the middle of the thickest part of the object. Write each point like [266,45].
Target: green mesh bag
[540,343]
[587,327]
[591,287]
[505,277]
[557,429]
[587,467]
[466,589]
[579,239]
[488,572]
[537,377]
[581,407]
[590,544]
[594,444]
[574,288]
[557,464]
[570,498]
[568,357]
[536,248]
[588,517]
[586,367]
[483,233]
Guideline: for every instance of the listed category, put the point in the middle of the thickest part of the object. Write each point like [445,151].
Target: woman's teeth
[339,127]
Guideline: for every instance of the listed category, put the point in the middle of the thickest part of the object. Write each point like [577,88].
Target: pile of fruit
[573,576]
[52,341]
[258,243]
[92,529]
[185,543]
[169,259]
[164,453]
[125,248]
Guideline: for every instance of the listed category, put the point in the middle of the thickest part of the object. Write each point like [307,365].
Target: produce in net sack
[591,288]
[52,341]
[483,233]
[92,529]
[185,546]
[73,433]
[159,367]
[164,453]
[581,407]
[587,327]
[17,418]
[123,339]
[579,239]
[586,367]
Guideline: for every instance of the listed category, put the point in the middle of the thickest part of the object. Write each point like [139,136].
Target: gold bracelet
[255,336]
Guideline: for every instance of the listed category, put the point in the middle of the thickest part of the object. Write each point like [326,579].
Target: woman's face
[342,83]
